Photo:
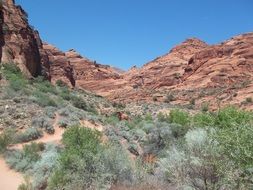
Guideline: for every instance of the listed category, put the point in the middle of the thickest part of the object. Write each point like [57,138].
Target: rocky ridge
[192,72]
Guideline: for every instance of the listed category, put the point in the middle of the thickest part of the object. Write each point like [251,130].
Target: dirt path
[47,138]
[9,179]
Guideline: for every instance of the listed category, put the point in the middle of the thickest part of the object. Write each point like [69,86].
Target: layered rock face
[93,76]
[221,73]
[194,72]
[75,70]
[19,42]
[167,70]
[60,68]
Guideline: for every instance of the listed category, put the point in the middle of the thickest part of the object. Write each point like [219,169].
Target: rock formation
[19,42]
[193,70]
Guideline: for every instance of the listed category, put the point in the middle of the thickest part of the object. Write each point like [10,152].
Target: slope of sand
[9,179]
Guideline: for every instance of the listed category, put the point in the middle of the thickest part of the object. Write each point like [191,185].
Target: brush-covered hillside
[60,138]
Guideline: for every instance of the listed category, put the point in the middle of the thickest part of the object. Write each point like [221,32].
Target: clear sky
[124,33]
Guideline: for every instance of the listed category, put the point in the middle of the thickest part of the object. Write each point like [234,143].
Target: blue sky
[124,33]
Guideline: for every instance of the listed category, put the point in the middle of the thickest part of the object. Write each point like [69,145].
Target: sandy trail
[47,138]
[9,179]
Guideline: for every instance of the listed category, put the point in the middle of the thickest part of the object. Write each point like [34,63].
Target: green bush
[15,77]
[179,117]
[44,100]
[232,116]
[10,69]
[65,93]
[78,102]
[236,143]
[85,163]
[43,85]
[82,146]
[204,119]
[6,138]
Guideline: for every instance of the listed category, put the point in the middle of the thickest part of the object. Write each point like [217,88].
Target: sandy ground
[9,179]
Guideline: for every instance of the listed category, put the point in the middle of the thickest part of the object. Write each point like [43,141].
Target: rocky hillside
[75,70]
[190,74]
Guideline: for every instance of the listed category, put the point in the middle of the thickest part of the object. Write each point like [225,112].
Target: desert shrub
[204,119]
[25,159]
[29,135]
[43,99]
[114,167]
[147,126]
[236,145]
[148,117]
[72,115]
[79,102]
[113,120]
[118,105]
[87,164]
[157,139]
[195,165]
[161,117]
[77,162]
[61,83]
[135,122]
[17,84]
[15,77]
[50,111]
[139,134]
[43,85]
[65,93]
[10,69]
[43,122]
[179,117]
[178,131]
[44,167]
[6,138]
[232,116]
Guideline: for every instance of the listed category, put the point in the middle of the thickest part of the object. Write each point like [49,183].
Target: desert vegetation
[178,149]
